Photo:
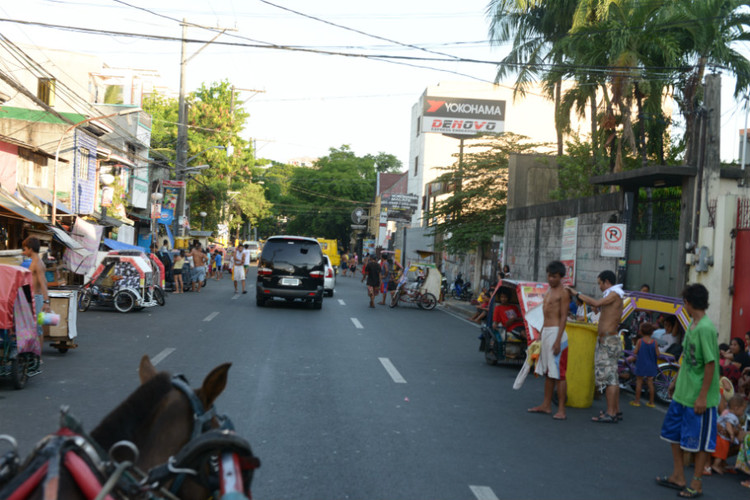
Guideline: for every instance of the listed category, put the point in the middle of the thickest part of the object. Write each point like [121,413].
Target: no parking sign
[613,240]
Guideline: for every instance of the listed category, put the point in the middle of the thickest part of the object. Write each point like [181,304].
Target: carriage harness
[204,458]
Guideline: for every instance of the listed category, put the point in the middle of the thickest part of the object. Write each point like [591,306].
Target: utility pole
[182,138]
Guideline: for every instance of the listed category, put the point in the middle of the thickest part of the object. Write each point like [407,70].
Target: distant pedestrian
[179,261]
[238,270]
[646,353]
[353,265]
[246,263]
[385,276]
[199,271]
[690,423]
[344,264]
[371,272]
[30,247]
[218,258]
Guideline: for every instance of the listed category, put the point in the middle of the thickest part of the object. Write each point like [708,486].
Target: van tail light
[316,274]
[329,272]
[264,271]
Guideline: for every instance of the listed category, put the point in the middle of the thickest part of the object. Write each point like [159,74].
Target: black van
[291,268]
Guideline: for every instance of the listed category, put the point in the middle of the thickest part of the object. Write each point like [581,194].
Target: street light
[59,144]
[203,218]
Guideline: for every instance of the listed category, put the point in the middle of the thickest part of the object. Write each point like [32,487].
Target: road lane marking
[395,375]
[211,316]
[342,302]
[235,296]
[483,492]
[160,357]
[357,323]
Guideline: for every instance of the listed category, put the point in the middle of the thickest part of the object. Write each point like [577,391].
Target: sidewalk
[459,307]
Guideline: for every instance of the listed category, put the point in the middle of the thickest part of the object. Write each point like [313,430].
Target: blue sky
[310,102]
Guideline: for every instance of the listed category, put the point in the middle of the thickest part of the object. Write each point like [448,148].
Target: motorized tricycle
[20,344]
[125,281]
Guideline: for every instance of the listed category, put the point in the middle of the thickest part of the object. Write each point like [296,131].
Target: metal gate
[741,276]
[653,251]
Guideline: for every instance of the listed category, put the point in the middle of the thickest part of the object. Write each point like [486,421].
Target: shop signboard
[402,201]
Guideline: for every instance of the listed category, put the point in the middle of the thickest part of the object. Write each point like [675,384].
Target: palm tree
[535,28]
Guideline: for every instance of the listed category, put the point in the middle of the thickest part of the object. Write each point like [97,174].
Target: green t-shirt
[701,346]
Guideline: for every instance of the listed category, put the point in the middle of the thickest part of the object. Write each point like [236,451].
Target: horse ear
[146,370]
[213,385]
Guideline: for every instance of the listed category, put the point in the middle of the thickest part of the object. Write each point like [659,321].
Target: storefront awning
[11,209]
[119,245]
[69,242]
[39,196]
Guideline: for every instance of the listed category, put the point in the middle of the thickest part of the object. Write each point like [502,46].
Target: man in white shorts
[238,262]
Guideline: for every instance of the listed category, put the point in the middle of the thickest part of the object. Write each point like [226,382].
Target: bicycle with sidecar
[126,282]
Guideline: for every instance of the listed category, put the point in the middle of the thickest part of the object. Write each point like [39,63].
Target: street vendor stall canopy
[69,242]
[9,208]
[119,245]
[11,279]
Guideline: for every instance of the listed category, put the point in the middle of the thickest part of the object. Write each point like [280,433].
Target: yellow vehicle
[331,249]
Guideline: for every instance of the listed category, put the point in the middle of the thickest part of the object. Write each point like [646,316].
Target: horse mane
[123,422]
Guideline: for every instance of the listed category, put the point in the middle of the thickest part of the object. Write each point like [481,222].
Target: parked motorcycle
[461,290]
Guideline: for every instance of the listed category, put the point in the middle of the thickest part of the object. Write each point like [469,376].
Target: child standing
[729,433]
[646,352]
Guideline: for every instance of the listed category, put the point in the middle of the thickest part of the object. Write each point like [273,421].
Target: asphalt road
[353,402]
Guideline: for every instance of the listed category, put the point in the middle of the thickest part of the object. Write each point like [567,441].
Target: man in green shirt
[690,423]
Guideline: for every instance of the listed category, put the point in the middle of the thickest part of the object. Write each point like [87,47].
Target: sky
[301,104]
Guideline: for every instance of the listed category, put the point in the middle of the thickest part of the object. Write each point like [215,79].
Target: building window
[416,165]
[83,163]
[45,90]
[419,126]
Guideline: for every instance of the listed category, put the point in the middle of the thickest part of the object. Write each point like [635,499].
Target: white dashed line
[235,296]
[160,357]
[395,375]
[211,316]
[342,302]
[357,323]
[483,492]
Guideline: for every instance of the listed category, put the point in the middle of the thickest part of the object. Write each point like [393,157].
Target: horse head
[182,444]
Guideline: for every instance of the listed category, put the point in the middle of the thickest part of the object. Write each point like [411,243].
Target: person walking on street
[199,259]
[646,364]
[690,422]
[372,274]
[239,268]
[385,276]
[246,262]
[30,248]
[608,348]
[553,358]
[219,274]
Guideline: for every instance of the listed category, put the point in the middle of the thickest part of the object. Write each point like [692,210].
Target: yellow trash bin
[582,339]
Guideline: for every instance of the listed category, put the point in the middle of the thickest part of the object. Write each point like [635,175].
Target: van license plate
[290,281]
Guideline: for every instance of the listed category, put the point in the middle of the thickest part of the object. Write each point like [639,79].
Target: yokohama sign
[453,115]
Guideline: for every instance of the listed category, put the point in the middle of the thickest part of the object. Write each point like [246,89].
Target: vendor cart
[63,301]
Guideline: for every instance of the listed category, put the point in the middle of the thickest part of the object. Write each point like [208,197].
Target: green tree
[472,213]
[320,199]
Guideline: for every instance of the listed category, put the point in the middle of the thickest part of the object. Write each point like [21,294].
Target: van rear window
[292,252]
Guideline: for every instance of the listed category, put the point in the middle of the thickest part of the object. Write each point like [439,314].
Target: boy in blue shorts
[690,423]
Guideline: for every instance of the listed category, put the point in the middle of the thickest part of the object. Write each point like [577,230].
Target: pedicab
[508,342]
[420,285]
[20,345]
[123,280]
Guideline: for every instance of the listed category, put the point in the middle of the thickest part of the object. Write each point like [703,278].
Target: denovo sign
[455,115]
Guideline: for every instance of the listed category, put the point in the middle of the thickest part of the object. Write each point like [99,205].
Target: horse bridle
[212,434]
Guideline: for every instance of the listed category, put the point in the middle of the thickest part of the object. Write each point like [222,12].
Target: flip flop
[689,492]
[555,417]
[535,410]
[664,481]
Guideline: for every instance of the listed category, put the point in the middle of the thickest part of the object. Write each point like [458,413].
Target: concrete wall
[533,238]
[531,179]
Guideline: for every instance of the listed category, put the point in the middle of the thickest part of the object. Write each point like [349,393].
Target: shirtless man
[39,282]
[199,259]
[608,349]
[553,357]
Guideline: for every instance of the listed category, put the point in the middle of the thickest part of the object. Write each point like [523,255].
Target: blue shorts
[692,432]
[200,273]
